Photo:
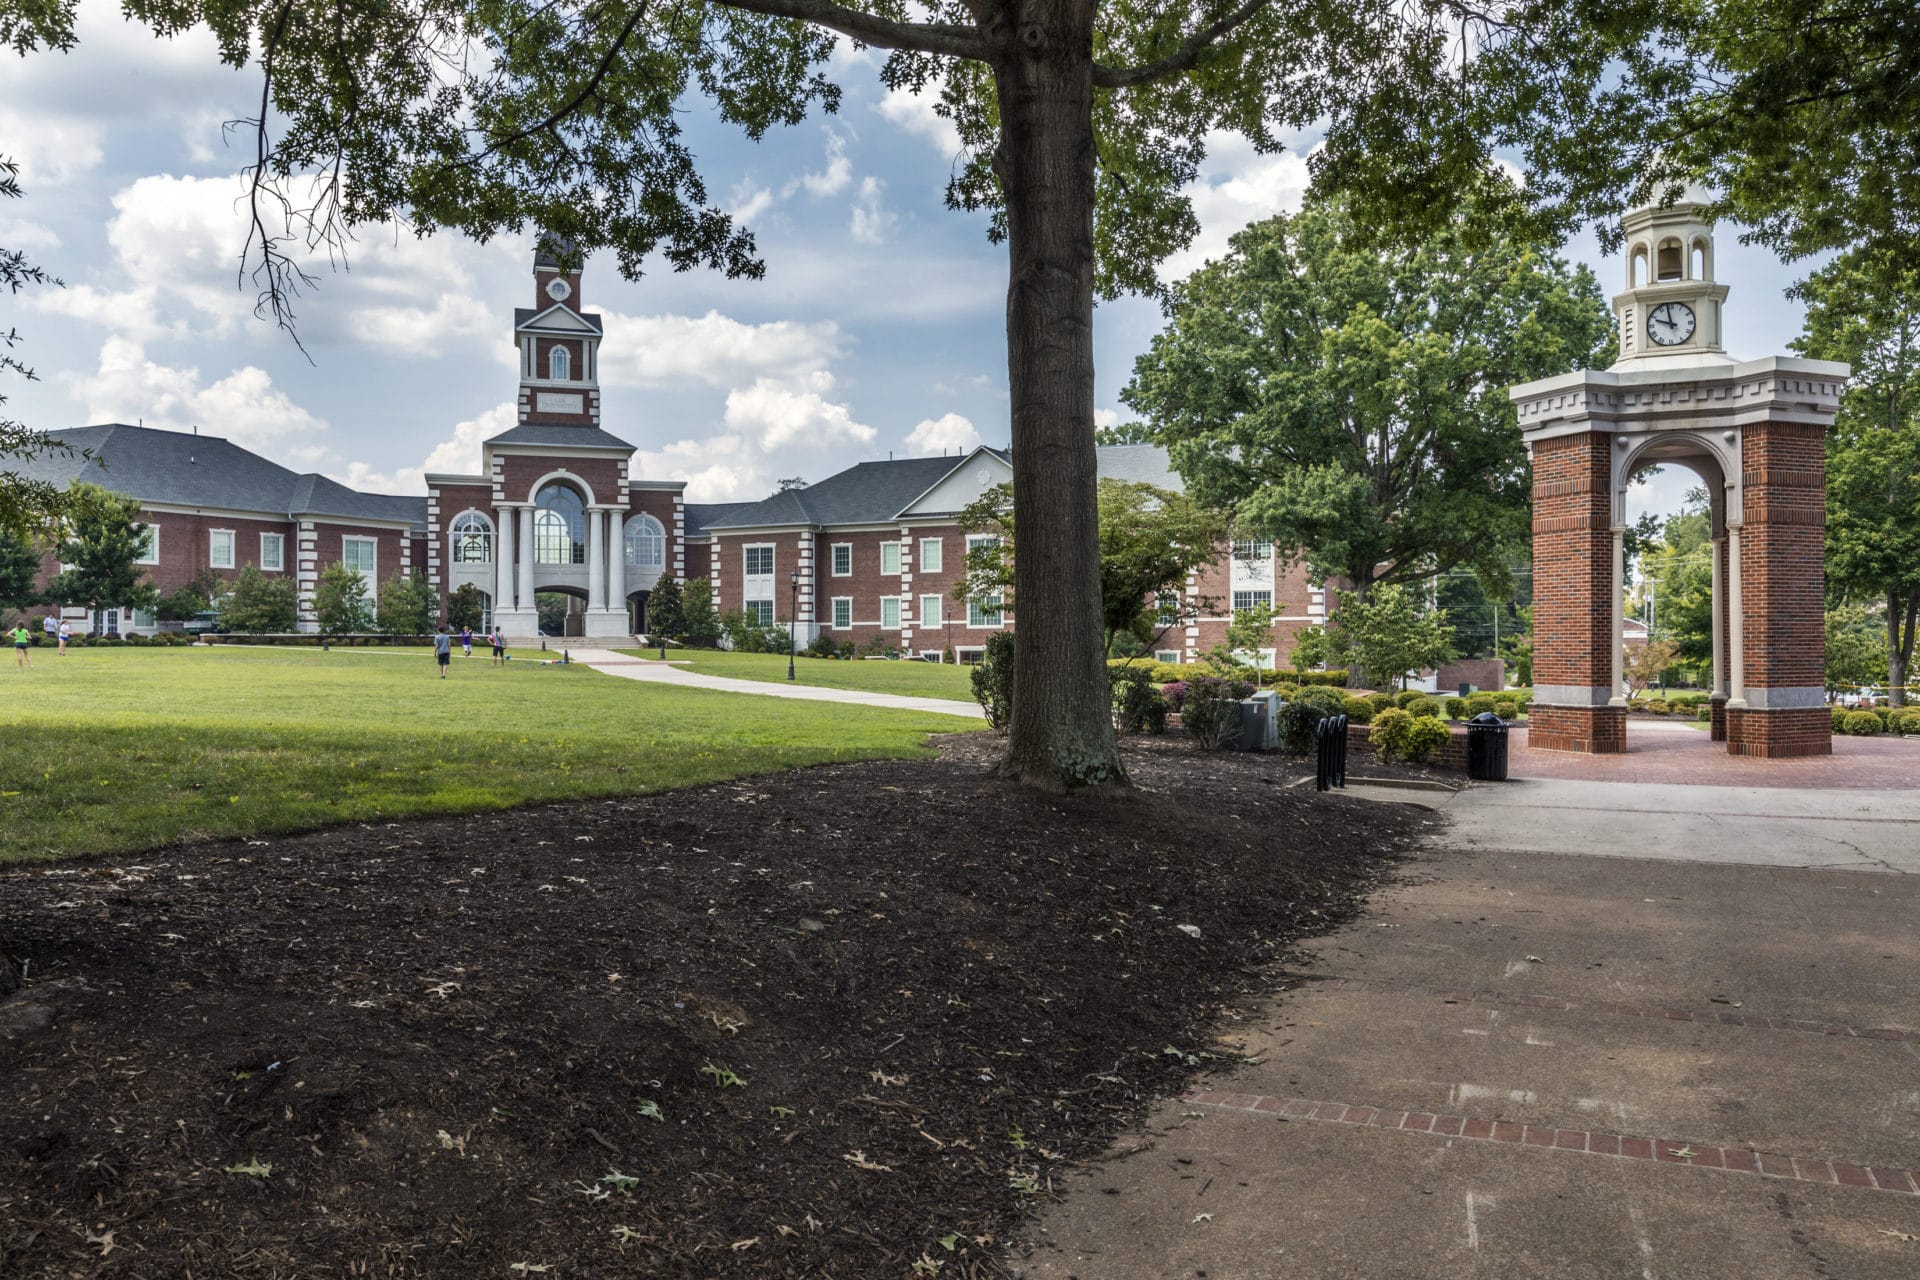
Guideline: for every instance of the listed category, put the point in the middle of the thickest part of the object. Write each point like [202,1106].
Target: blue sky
[878,328]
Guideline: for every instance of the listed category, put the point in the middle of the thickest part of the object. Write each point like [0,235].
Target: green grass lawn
[913,679]
[118,749]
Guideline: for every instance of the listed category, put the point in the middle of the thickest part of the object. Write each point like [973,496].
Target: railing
[1330,752]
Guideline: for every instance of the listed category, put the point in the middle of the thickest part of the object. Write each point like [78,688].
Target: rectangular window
[1166,655]
[890,559]
[890,613]
[929,555]
[984,612]
[152,555]
[1244,600]
[758,561]
[968,657]
[273,552]
[842,560]
[141,618]
[761,611]
[220,549]
[842,613]
[933,610]
[1253,549]
[1167,608]
[358,554]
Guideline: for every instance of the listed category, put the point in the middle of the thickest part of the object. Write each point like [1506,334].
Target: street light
[793,620]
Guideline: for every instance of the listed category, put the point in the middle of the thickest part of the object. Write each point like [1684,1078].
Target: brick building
[873,551]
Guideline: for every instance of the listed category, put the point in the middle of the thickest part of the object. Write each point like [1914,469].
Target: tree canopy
[1349,400]
[105,539]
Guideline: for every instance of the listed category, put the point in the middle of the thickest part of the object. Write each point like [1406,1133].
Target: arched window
[1667,261]
[1702,259]
[472,538]
[1637,273]
[560,364]
[646,543]
[559,526]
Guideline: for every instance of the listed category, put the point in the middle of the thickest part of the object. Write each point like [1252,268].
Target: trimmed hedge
[1862,724]
[1359,710]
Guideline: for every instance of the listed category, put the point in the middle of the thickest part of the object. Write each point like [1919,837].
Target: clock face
[1670,323]
[558,290]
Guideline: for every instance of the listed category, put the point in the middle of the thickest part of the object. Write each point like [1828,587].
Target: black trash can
[1487,748]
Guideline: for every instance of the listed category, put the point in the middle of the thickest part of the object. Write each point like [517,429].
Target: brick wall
[1799,731]
[1783,578]
[1452,756]
[601,475]
[1573,565]
[1594,730]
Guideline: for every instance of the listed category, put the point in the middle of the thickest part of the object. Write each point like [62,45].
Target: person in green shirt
[21,639]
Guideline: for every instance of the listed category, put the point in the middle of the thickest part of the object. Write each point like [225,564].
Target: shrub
[1380,701]
[1138,706]
[467,606]
[993,679]
[1300,715]
[1863,724]
[1175,692]
[1505,708]
[1658,706]
[1839,714]
[1211,711]
[1359,710]
[1426,737]
[1479,702]
[1410,699]
[1456,708]
[1427,707]
[1389,732]
[1886,716]
[1906,720]
[1704,713]
[257,602]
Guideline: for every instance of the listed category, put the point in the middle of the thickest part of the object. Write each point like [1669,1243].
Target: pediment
[971,477]
[559,318]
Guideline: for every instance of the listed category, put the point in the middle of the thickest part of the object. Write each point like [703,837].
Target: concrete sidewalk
[631,668]
[1683,1058]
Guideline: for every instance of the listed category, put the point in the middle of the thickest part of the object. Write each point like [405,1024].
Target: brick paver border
[1659,1150]
[1725,1018]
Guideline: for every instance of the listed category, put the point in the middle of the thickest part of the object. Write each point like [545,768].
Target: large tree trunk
[1061,733]
[1902,617]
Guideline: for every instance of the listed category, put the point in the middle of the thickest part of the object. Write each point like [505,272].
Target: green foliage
[1387,634]
[340,601]
[191,598]
[1304,711]
[992,679]
[1249,631]
[105,536]
[1704,714]
[1506,709]
[1138,704]
[19,571]
[1358,710]
[666,610]
[406,606]
[1389,731]
[550,612]
[466,607]
[746,634]
[1456,708]
[1409,699]
[701,624]
[1425,738]
[1210,711]
[1861,723]
[1351,403]
[1856,648]
[1380,701]
[260,603]
[30,508]
[1425,707]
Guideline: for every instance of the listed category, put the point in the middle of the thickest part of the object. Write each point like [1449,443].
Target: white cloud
[244,406]
[51,150]
[783,413]
[1104,418]
[718,468]
[459,454]
[715,350]
[839,171]
[746,202]
[452,315]
[914,113]
[1237,185]
[21,234]
[872,221]
[947,433]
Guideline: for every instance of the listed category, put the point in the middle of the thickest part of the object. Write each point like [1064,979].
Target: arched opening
[1637,268]
[560,364]
[561,611]
[559,525]
[1702,267]
[637,612]
[470,539]
[1668,264]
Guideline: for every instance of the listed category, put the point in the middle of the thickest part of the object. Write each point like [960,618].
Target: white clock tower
[1670,314]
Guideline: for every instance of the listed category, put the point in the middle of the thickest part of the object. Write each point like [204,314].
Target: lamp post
[793,620]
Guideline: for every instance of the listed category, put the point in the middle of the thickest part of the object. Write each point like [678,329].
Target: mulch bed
[846,1022]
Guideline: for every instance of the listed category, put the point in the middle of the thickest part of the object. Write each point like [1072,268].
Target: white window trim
[939,557]
[213,541]
[938,618]
[1253,600]
[899,551]
[895,602]
[153,545]
[833,559]
[833,614]
[281,540]
[369,574]
[1167,655]
[747,607]
[773,559]
[558,354]
[994,604]
[967,655]
[454,537]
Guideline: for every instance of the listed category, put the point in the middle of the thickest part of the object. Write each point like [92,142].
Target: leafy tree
[1350,402]
[189,598]
[28,506]
[340,601]
[551,609]
[406,606]
[466,607]
[666,610]
[105,537]
[1386,634]
[1642,665]
[1679,567]
[1856,648]
[1248,631]
[1483,621]
[1151,539]
[19,571]
[1867,313]
[700,624]
[261,604]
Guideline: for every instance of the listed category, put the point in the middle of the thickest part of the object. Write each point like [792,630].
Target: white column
[617,565]
[1719,546]
[1737,623]
[503,560]
[1618,623]
[596,560]
[526,559]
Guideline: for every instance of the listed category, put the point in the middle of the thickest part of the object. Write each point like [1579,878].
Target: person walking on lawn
[443,650]
[21,639]
[66,634]
[466,642]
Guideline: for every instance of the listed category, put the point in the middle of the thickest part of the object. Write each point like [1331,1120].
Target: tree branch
[587,90]
[918,37]
[1183,57]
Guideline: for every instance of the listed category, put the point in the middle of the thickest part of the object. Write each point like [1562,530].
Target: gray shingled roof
[567,434]
[179,469]
[523,314]
[876,492]
[701,514]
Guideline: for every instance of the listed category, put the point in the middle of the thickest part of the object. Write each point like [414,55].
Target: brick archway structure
[1755,433]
